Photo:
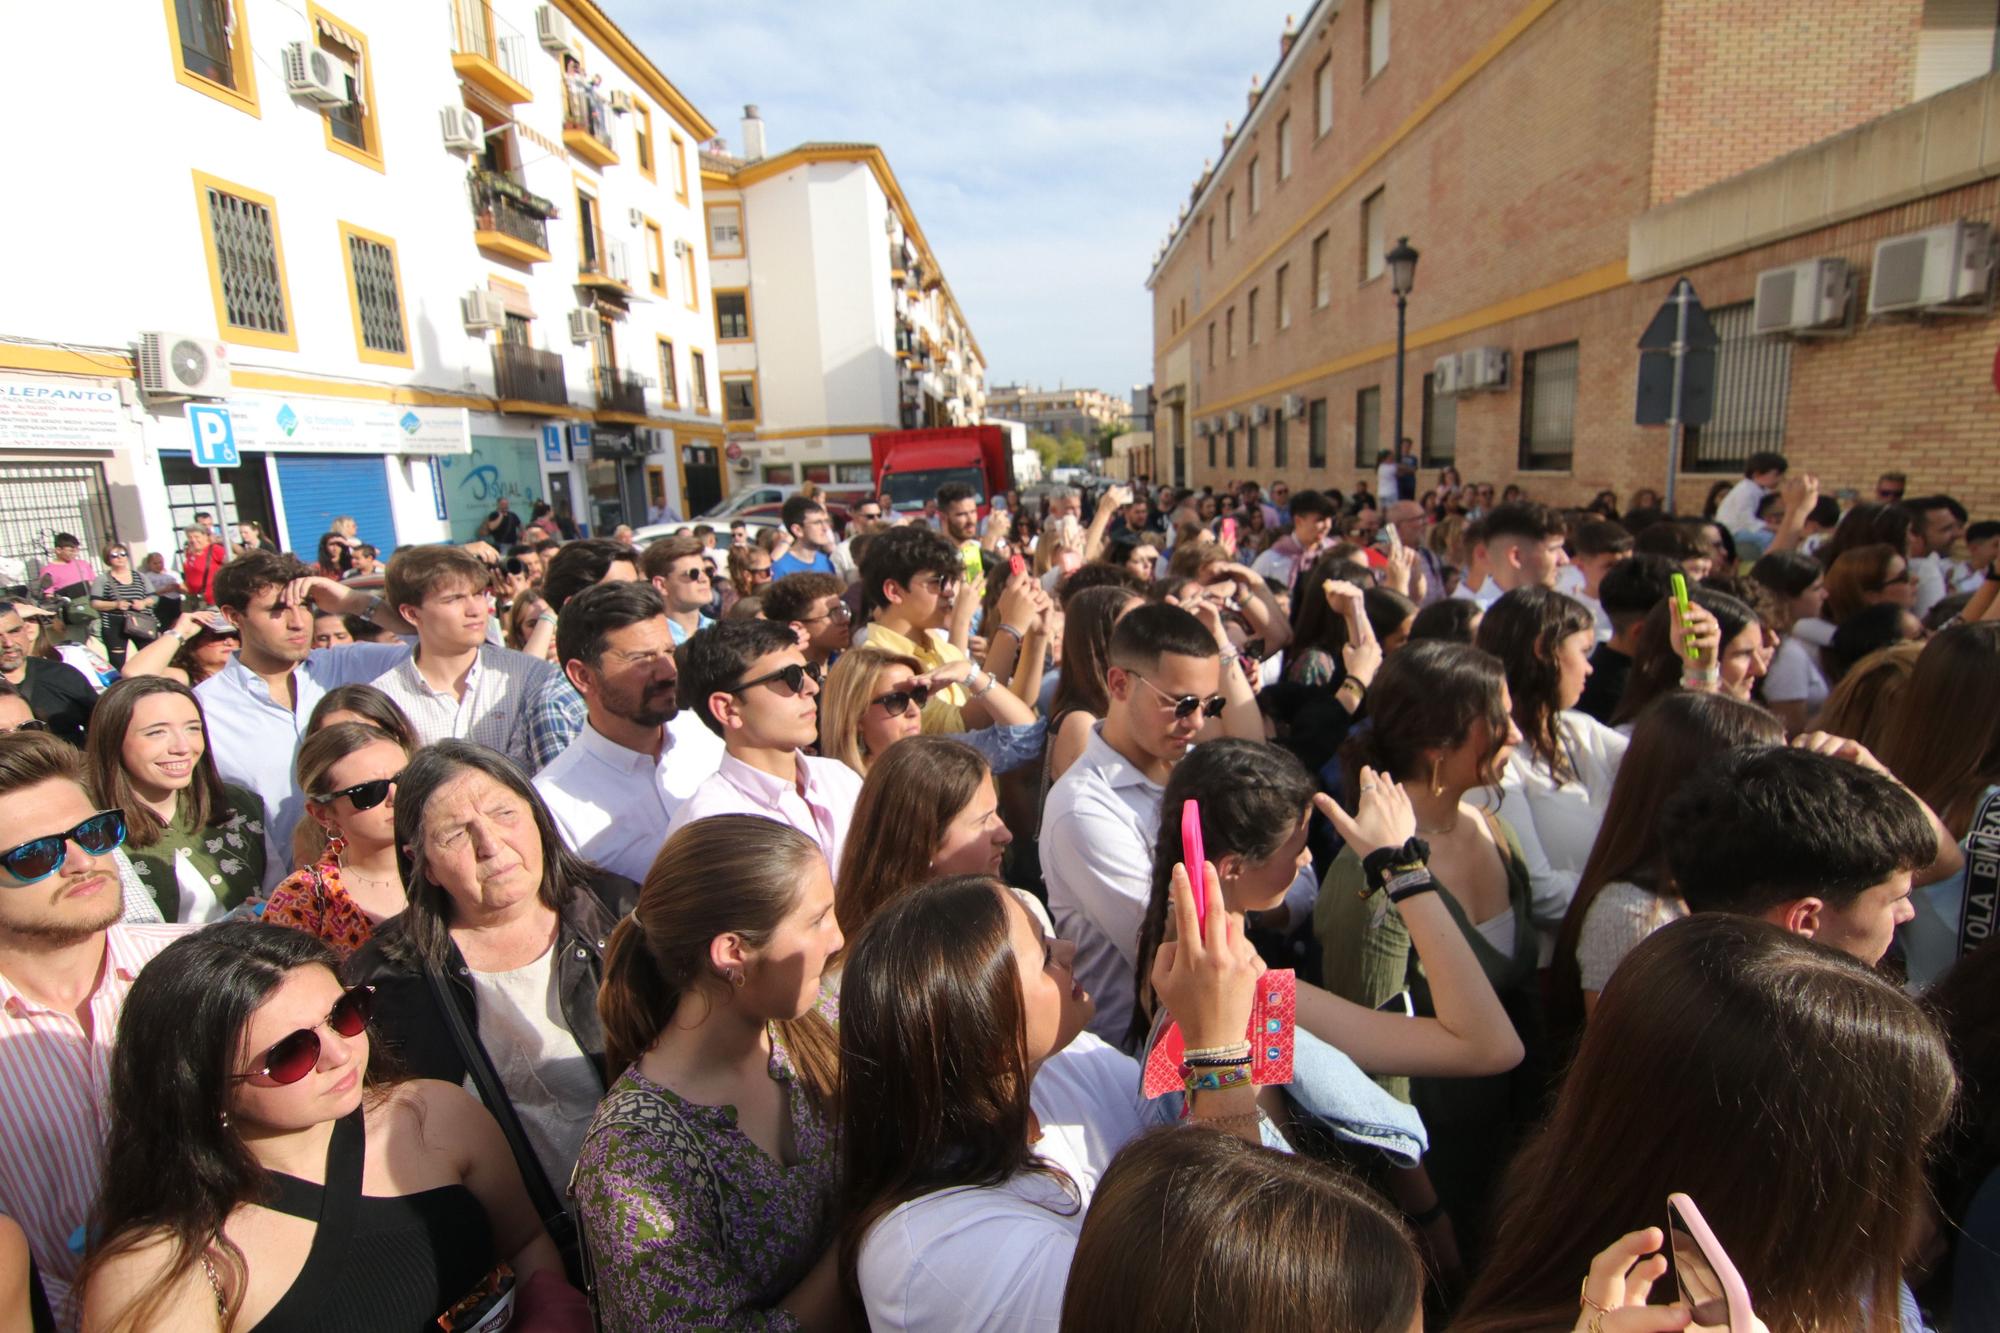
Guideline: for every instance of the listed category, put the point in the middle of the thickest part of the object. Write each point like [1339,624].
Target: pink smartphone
[1016,566]
[1192,858]
[1709,1284]
[1228,530]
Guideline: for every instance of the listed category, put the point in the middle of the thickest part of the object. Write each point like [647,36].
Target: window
[374,289]
[351,128]
[732,315]
[1211,238]
[1285,147]
[1378,36]
[687,274]
[1753,378]
[642,138]
[725,231]
[1322,274]
[1211,449]
[1372,248]
[1284,296]
[1548,408]
[656,258]
[1229,331]
[853,474]
[1211,344]
[1250,318]
[590,235]
[670,387]
[1367,425]
[680,168]
[779,474]
[1440,442]
[698,372]
[1323,97]
[1278,442]
[211,47]
[739,398]
[246,264]
[1229,449]
[1256,185]
[1316,434]
[1229,215]
[1250,447]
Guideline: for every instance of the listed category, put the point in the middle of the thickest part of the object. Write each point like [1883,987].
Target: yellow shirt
[943,715]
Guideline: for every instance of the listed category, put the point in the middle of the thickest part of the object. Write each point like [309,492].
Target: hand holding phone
[1683,605]
[1708,1282]
[1016,566]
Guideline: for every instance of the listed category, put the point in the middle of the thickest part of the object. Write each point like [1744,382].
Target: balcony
[529,380]
[606,269]
[497,65]
[508,221]
[587,126]
[621,397]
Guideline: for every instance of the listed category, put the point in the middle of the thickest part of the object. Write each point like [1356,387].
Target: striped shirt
[54,1085]
[501,693]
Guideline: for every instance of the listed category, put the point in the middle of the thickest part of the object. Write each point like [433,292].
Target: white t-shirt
[1794,675]
[997,1257]
[551,1082]
[1385,483]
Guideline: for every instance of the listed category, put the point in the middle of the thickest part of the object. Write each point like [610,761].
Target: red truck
[910,465]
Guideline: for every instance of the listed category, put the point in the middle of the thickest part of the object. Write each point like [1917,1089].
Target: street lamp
[1402,262]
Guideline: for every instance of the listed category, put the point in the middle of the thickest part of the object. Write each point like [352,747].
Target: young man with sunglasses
[67,961]
[913,591]
[812,604]
[750,683]
[678,568]
[614,792]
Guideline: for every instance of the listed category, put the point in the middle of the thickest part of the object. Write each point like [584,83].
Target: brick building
[1558,164]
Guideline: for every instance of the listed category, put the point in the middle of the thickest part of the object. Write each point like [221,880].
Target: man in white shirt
[749,683]
[458,685]
[1385,477]
[1291,556]
[1938,524]
[1737,514]
[614,792]
[257,706]
[1519,544]
[1599,545]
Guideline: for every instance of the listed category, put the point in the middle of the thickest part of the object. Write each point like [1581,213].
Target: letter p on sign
[214,436]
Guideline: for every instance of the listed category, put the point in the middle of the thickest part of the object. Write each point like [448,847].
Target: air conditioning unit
[584,326]
[1933,268]
[1797,297]
[1295,406]
[482,309]
[1444,376]
[463,131]
[619,268]
[621,101]
[1235,420]
[634,218]
[740,463]
[1202,429]
[180,365]
[553,30]
[1482,368]
[312,74]
[680,248]
[1260,414]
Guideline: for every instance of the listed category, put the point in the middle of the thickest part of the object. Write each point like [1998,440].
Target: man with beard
[66,964]
[616,789]
[59,694]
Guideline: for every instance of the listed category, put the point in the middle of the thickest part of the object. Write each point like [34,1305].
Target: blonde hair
[848,690]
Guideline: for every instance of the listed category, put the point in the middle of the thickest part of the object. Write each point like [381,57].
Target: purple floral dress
[689,1223]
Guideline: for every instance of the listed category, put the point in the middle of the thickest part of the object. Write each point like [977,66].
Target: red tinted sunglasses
[291,1058]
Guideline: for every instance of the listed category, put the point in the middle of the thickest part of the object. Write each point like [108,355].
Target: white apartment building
[426,252]
[833,317]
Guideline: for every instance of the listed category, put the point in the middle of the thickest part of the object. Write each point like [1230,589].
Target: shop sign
[62,412]
[295,424]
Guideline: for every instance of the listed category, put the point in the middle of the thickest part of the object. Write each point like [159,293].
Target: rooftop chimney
[1286,38]
[753,135]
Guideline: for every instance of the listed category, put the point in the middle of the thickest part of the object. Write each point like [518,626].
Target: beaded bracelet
[1218,1079]
[1009,629]
[1236,1053]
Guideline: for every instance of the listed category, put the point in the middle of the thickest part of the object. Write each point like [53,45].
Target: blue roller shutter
[318,490]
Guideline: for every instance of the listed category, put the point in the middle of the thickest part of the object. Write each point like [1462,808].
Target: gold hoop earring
[1437,788]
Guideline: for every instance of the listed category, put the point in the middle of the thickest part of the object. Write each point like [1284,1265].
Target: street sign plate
[1659,335]
[214,436]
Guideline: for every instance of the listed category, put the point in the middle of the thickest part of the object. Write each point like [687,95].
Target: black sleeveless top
[377,1265]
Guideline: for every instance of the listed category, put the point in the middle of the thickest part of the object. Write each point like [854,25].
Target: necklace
[1442,830]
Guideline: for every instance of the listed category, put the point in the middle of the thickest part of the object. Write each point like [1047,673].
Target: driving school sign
[62,412]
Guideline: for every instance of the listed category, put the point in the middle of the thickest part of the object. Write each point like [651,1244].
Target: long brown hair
[202,800]
[909,798]
[322,750]
[371,703]
[1945,744]
[1867,700]
[1089,617]
[1426,697]
[1524,629]
[1789,1090]
[729,875]
[1187,1222]
[1854,575]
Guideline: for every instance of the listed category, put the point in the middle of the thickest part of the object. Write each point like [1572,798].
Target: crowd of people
[802,929]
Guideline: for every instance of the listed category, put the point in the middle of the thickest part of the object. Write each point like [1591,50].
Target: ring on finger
[1583,1297]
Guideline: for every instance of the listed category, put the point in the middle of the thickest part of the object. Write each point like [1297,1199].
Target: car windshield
[914,490]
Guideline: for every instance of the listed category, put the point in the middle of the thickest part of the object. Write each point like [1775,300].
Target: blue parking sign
[214,436]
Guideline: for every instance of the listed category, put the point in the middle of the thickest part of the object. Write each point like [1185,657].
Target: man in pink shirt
[69,570]
[750,683]
[66,963]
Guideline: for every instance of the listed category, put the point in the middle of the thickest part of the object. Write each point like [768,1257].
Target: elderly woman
[493,969]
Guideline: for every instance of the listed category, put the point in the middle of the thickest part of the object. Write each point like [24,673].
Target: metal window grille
[246,255]
[1440,442]
[1278,449]
[1753,379]
[1367,426]
[375,293]
[38,500]
[1316,434]
[1548,407]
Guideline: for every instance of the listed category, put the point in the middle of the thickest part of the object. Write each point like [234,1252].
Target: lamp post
[1402,262]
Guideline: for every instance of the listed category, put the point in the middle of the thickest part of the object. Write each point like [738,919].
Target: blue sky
[1046,146]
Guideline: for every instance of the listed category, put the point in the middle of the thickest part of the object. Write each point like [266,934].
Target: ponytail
[635,1001]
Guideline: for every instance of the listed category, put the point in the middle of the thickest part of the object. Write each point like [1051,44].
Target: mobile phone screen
[1700,1289]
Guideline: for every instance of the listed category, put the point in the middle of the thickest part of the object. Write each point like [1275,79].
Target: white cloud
[1046,146]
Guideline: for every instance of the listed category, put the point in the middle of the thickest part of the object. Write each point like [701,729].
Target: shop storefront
[499,467]
[68,445]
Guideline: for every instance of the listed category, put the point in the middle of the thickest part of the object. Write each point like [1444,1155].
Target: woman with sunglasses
[1865,576]
[119,592]
[348,881]
[196,842]
[259,1176]
[874,698]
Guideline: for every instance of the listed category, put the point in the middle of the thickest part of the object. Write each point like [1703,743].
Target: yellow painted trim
[603,282]
[720,179]
[756,399]
[670,376]
[528,408]
[489,78]
[605,35]
[680,168]
[60,361]
[698,381]
[689,277]
[367,354]
[1592,282]
[656,242]
[287,341]
[648,162]
[499,245]
[715,295]
[621,418]
[378,393]
[1443,93]
[586,146]
[244,95]
[814,432]
[708,207]
[371,120]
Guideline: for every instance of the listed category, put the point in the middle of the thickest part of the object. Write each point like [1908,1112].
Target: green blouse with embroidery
[228,854]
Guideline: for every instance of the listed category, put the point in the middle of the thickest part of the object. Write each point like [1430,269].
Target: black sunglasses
[1184,705]
[39,858]
[897,702]
[292,1057]
[32,724]
[792,677]
[365,795]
